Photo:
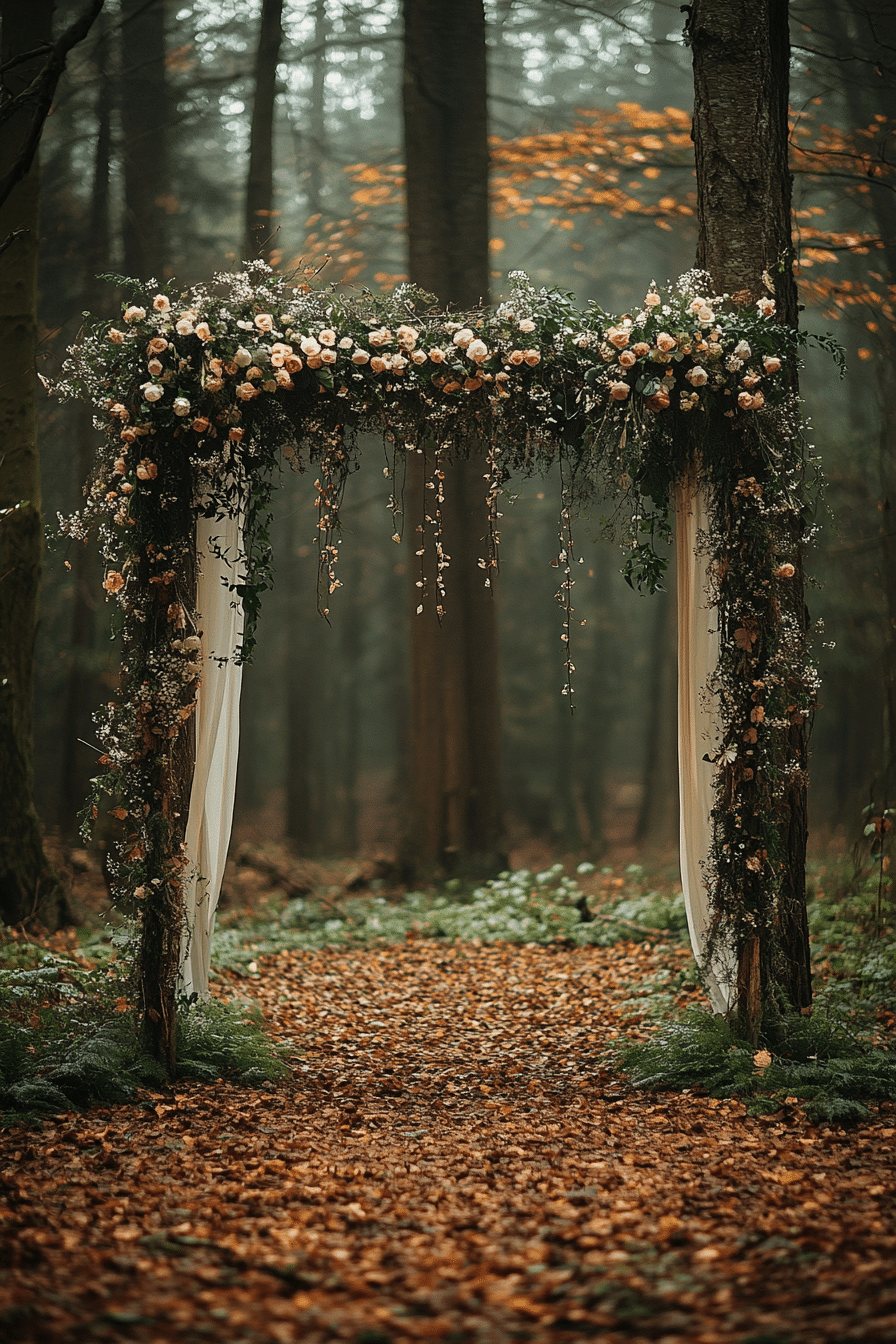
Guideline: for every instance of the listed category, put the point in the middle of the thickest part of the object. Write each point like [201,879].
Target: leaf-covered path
[449,1159]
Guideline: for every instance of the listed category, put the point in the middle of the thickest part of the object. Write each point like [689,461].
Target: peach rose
[745,401]
[628,359]
[381,336]
[641,349]
[619,391]
[115,336]
[154,367]
[437,355]
[471,384]
[665,343]
[516,357]
[147,470]
[659,401]
[203,331]
[134,314]
[264,321]
[532,357]
[618,336]
[407,337]
[771,363]
[113,581]
[360,357]
[697,376]
[328,356]
[161,303]
[292,364]
[236,434]
[184,326]
[157,345]
[378,364]
[327,336]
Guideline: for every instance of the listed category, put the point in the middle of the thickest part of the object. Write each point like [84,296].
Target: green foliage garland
[201,396]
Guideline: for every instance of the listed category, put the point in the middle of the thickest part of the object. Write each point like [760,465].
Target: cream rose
[697,376]
[463,337]
[203,331]
[742,350]
[381,336]
[155,367]
[527,324]
[360,357]
[184,326]
[309,346]
[161,303]
[327,336]
[152,392]
[181,406]
[134,314]
[477,351]
[328,356]
[264,321]
[766,307]
[242,359]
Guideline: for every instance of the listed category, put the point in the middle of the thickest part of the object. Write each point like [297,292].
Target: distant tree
[455,811]
[260,230]
[32,66]
[146,124]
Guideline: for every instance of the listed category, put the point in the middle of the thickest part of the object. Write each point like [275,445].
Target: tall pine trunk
[259,239]
[29,889]
[741,54]
[82,689]
[145,111]
[455,813]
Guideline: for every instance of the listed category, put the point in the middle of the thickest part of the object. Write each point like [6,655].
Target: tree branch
[43,88]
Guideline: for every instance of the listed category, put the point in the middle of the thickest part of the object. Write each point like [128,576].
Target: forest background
[148,169]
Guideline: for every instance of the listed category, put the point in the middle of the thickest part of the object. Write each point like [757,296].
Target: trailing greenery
[69,1038]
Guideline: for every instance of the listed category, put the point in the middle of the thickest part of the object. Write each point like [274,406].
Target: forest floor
[451,1157]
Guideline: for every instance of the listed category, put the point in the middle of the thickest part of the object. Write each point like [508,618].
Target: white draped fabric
[209,823]
[698,654]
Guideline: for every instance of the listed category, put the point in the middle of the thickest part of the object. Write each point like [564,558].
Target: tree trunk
[260,183]
[81,695]
[741,60]
[145,111]
[455,713]
[29,889]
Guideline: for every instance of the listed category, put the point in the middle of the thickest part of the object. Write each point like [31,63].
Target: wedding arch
[201,395]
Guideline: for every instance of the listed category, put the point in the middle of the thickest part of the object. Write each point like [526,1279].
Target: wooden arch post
[741,54]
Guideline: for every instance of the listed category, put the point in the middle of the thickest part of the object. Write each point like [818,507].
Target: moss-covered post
[741,56]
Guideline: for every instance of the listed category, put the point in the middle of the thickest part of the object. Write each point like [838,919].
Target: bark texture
[260,214]
[741,57]
[455,813]
[146,140]
[29,889]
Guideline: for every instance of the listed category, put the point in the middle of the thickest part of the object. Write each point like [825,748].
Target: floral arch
[200,395]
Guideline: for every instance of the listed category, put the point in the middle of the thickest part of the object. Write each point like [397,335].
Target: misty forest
[447,670]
